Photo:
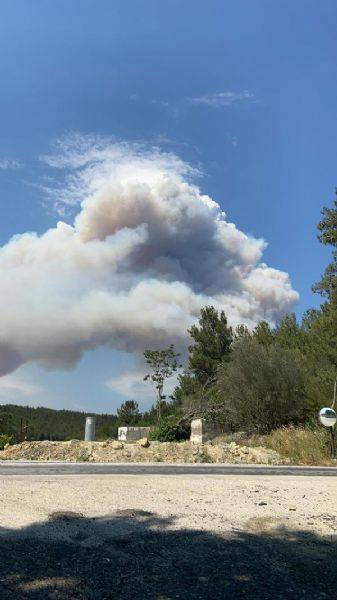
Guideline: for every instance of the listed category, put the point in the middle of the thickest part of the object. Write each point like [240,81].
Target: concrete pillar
[203,431]
[132,434]
[89,435]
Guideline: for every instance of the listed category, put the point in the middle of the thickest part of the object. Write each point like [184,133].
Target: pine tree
[213,338]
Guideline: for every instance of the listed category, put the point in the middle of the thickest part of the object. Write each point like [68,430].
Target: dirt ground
[164,537]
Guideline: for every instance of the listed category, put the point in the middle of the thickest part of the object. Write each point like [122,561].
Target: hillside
[47,423]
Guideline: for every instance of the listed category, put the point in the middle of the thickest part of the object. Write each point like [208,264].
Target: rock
[116,445]
[143,442]
[117,450]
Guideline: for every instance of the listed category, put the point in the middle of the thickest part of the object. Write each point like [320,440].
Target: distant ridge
[48,423]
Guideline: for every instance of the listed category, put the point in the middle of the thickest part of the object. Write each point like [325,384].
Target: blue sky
[246,91]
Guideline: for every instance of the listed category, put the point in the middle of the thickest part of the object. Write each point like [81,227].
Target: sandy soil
[166,537]
[213,503]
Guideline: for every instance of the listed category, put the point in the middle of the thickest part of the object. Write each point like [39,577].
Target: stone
[143,442]
[116,445]
[203,431]
[132,434]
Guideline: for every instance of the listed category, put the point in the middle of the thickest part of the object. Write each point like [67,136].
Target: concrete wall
[203,431]
[132,434]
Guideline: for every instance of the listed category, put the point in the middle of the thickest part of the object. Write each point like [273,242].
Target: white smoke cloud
[145,252]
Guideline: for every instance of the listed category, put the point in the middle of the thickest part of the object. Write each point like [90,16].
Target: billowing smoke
[145,252]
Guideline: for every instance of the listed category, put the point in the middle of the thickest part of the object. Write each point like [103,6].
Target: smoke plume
[145,251]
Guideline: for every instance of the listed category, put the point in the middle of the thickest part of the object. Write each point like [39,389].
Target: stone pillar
[203,431]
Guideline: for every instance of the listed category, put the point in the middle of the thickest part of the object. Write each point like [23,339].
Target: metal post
[89,435]
[332,442]
[332,429]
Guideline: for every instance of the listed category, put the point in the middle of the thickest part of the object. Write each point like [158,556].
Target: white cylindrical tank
[89,435]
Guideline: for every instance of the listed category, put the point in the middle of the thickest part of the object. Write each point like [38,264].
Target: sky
[183,146]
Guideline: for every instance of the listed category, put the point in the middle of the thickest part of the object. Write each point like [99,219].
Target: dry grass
[301,445]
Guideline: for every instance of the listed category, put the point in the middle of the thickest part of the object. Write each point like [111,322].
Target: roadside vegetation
[303,445]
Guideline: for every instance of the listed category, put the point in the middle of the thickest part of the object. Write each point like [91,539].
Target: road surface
[66,468]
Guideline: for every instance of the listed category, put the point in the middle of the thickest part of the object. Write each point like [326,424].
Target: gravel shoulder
[219,503]
[167,537]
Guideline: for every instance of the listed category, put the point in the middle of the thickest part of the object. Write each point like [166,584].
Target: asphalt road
[66,468]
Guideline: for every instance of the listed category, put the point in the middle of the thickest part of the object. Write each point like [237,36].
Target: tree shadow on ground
[135,554]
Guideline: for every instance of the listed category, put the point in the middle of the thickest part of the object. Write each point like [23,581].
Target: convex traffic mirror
[327,417]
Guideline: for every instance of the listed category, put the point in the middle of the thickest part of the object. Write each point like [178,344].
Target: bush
[5,439]
[262,388]
[166,432]
[301,445]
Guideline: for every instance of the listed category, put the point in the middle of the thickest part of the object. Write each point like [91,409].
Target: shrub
[166,432]
[301,445]
[5,439]
[262,388]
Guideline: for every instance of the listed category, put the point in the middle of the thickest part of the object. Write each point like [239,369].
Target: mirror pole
[332,429]
[332,442]
[334,394]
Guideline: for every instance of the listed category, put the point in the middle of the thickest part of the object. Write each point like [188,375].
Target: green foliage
[5,439]
[288,333]
[105,432]
[264,334]
[7,425]
[168,432]
[213,338]
[128,413]
[162,365]
[303,446]
[168,409]
[327,228]
[188,392]
[262,387]
[46,423]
